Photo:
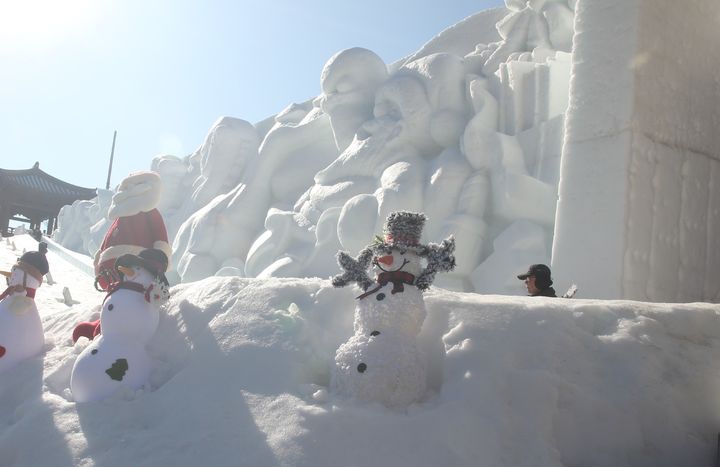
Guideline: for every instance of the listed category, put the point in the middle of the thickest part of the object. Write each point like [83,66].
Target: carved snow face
[398,260]
[349,81]
[401,104]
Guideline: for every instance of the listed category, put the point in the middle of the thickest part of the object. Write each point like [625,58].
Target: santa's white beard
[139,198]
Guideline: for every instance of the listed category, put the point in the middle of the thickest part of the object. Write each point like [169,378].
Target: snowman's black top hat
[34,262]
[402,231]
[151,259]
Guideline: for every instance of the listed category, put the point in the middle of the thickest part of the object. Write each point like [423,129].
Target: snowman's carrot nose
[388,259]
[129,272]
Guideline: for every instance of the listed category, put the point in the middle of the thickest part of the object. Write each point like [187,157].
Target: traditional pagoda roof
[34,182]
[35,194]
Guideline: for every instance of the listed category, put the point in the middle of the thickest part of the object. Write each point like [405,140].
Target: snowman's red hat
[402,231]
[150,259]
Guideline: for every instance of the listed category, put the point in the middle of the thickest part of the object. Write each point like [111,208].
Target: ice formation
[471,129]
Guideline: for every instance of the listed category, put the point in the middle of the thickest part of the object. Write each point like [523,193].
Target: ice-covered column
[639,201]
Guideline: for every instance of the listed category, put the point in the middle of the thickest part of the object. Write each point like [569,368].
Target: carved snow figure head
[138,192]
[228,148]
[349,82]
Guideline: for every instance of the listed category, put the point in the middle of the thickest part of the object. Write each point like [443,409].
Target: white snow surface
[241,371]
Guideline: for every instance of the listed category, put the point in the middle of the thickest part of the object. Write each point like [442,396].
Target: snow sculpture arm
[440,258]
[355,269]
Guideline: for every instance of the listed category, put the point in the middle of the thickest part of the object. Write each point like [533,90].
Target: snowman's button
[375,333]
[362,367]
[111,306]
[380,296]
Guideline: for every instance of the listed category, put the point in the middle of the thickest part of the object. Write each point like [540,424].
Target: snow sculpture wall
[468,130]
[639,203]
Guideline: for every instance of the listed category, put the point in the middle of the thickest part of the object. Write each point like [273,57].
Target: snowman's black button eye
[111,306]
[93,351]
[362,367]
[375,333]
[380,296]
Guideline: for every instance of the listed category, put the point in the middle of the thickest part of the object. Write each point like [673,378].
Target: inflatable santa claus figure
[137,225]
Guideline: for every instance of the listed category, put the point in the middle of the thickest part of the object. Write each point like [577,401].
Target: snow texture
[576,134]
[638,192]
[466,130]
[241,377]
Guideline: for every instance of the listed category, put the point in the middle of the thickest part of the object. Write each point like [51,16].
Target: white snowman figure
[21,331]
[128,321]
[109,363]
[381,361]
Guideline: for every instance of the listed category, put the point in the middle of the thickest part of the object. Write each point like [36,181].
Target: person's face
[530,284]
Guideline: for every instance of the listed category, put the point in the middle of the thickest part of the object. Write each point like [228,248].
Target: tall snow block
[639,198]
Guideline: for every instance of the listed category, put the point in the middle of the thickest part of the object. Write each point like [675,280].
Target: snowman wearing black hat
[128,321]
[21,331]
[381,361]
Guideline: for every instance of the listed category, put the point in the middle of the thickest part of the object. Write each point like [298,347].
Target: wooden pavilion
[34,196]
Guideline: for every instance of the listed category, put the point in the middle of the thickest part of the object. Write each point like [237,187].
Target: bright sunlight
[31,24]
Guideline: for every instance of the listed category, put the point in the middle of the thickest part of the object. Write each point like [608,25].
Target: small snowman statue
[128,321]
[381,361]
[21,331]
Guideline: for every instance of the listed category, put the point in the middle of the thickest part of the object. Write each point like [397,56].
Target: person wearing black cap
[538,281]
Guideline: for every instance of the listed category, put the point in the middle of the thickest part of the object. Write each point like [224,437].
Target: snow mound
[242,366]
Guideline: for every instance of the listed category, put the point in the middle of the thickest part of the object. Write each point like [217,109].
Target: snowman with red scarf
[381,361]
[21,331]
[129,318]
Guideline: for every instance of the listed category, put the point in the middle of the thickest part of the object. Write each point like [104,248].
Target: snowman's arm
[355,270]
[440,259]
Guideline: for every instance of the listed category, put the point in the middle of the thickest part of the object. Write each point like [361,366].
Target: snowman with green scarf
[381,362]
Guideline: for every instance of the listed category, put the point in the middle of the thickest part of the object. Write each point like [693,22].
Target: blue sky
[160,72]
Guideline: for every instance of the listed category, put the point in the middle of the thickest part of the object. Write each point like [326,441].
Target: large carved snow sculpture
[417,111]
[221,233]
[473,141]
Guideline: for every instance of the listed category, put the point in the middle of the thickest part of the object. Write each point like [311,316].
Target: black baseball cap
[537,270]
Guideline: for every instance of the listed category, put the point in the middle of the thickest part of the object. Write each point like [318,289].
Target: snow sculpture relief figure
[221,233]
[21,331]
[349,81]
[419,110]
[175,176]
[172,171]
[229,146]
[74,223]
[136,224]
[540,26]
[381,361]
[129,318]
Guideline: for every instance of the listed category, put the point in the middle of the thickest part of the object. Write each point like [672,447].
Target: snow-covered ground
[242,369]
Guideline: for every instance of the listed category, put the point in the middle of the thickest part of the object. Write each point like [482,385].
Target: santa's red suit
[129,234]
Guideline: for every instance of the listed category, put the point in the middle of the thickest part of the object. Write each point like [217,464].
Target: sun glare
[42,23]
